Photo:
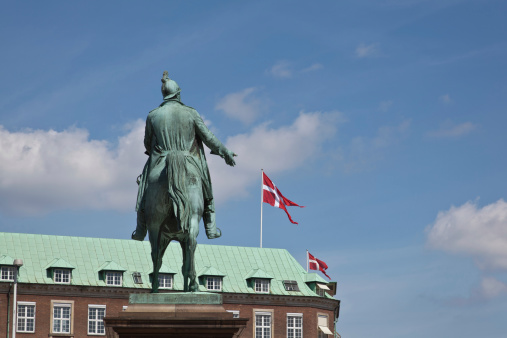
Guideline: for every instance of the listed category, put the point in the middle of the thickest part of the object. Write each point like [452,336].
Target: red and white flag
[317,264]
[274,197]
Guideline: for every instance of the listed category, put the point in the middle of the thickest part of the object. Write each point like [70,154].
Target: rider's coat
[173,139]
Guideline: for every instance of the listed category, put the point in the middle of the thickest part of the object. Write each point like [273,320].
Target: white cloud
[43,171]
[272,149]
[241,105]
[480,233]
[449,130]
[48,170]
[364,50]
[446,98]
[281,69]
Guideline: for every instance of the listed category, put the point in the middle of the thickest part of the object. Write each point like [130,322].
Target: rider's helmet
[170,88]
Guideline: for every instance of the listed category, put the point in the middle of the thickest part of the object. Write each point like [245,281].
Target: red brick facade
[115,298]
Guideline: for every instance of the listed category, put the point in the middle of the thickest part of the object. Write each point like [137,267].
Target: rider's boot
[209,224]
[140,233]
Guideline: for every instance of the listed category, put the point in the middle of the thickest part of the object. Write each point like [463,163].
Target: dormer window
[112,273]
[165,281]
[114,278]
[214,283]
[136,276]
[211,278]
[7,273]
[61,276]
[262,285]
[321,289]
[290,285]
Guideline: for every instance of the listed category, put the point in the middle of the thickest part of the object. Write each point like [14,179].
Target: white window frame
[62,304]
[262,285]
[24,318]
[235,313]
[7,273]
[96,320]
[294,331]
[169,280]
[59,275]
[114,281]
[214,283]
[262,314]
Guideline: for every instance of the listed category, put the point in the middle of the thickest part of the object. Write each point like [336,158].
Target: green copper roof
[6,260]
[111,266]
[89,255]
[163,269]
[210,271]
[258,273]
[59,263]
[313,277]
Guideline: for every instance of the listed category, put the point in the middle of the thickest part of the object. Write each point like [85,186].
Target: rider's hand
[229,158]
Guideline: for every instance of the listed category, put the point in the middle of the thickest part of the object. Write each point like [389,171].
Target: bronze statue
[175,187]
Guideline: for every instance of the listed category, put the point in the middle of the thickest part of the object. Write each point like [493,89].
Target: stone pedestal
[198,314]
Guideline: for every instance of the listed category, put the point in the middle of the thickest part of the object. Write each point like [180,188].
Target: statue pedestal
[197,314]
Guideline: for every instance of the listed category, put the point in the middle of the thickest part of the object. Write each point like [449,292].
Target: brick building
[68,284]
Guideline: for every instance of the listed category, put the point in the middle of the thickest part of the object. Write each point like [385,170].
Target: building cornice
[123,293]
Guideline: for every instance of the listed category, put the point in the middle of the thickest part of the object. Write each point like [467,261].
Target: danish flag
[274,197]
[317,264]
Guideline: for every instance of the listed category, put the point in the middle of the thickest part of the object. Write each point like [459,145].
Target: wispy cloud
[314,67]
[370,50]
[285,69]
[281,69]
[242,105]
[450,130]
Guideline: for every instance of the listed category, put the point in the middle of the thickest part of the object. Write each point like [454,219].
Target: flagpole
[307,261]
[262,198]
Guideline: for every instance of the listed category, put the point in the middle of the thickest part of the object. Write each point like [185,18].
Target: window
[26,317]
[263,325]
[294,325]
[262,285]
[165,281]
[214,283]
[137,278]
[290,285]
[114,278]
[322,322]
[321,289]
[96,315]
[61,276]
[7,273]
[235,313]
[61,317]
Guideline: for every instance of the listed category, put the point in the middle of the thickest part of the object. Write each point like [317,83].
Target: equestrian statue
[175,186]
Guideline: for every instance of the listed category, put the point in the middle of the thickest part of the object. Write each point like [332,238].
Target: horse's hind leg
[184,267]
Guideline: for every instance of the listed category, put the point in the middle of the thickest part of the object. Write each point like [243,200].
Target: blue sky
[385,118]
